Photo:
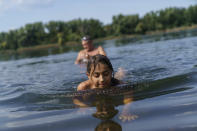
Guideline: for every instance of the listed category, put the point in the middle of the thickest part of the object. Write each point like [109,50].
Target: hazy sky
[17,13]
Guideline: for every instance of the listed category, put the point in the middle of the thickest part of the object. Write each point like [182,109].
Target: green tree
[33,34]
[124,24]
[191,15]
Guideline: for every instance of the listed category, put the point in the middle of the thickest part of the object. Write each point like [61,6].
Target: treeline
[61,32]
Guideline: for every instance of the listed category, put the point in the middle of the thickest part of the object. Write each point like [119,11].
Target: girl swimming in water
[100,74]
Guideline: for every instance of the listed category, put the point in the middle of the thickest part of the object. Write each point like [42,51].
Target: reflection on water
[108,125]
[105,111]
[32,53]
[157,37]
[37,52]
[106,106]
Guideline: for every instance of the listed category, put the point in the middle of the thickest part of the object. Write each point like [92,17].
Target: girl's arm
[83,107]
[79,103]
[126,115]
[83,85]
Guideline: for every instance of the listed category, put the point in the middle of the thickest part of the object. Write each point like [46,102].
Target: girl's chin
[102,87]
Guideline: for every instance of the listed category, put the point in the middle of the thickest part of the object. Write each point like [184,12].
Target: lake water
[34,92]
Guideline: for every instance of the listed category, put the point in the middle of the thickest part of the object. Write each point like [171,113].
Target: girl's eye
[96,75]
[106,73]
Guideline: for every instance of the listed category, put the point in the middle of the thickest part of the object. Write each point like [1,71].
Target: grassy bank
[157,32]
[74,44]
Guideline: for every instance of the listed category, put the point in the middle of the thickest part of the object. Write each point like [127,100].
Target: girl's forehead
[101,67]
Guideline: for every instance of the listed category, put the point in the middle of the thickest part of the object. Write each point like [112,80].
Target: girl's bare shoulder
[83,85]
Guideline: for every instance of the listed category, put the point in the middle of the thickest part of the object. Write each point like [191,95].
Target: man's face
[101,76]
[86,45]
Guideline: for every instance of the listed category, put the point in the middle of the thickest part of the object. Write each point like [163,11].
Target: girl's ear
[88,75]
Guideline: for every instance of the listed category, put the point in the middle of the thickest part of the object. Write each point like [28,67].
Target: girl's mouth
[102,84]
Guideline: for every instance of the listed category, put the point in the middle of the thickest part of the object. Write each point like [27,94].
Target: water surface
[33,91]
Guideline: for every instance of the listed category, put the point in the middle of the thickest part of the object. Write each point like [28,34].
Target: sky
[16,13]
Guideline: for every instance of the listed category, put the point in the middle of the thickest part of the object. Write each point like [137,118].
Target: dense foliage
[61,32]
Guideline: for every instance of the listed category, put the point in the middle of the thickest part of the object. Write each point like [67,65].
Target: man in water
[89,50]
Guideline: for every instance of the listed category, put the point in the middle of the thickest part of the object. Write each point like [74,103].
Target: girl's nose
[101,78]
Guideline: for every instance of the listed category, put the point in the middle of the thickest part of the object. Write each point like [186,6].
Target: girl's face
[101,76]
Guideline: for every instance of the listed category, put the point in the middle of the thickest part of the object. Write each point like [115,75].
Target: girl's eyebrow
[95,72]
[106,71]
[102,72]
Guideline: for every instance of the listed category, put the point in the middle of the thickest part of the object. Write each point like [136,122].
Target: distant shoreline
[74,43]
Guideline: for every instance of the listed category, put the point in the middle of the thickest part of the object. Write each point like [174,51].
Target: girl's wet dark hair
[94,60]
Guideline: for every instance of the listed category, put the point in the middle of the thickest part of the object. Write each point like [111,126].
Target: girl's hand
[120,74]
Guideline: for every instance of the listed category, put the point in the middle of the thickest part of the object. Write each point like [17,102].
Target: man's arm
[77,61]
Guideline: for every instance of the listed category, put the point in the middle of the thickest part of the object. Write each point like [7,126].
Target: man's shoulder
[99,47]
[81,52]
